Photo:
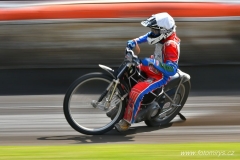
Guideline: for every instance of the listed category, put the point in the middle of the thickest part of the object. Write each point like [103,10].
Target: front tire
[81,114]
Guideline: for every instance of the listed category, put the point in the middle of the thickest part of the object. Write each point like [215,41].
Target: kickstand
[182,116]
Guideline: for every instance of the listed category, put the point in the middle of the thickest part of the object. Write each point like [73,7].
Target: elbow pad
[168,69]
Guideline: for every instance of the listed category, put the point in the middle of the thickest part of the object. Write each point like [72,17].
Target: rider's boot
[122,125]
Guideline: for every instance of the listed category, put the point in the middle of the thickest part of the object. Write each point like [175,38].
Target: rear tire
[183,95]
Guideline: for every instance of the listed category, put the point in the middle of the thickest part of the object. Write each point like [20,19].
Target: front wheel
[81,110]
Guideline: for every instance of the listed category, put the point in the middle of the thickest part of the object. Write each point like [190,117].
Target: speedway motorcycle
[95,102]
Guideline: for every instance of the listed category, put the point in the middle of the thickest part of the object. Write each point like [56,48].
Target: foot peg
[182,116]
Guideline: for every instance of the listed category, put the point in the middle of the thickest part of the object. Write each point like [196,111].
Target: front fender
[108,69]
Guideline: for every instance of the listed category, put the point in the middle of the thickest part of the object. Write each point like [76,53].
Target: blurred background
[46,45]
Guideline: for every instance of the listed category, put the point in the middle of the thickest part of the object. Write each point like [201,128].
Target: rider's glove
[131,44]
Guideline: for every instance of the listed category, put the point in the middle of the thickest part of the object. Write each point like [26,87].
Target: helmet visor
[150,22]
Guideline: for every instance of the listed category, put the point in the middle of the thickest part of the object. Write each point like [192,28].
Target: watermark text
[207,153]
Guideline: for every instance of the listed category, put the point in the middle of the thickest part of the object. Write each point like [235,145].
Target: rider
[158,68]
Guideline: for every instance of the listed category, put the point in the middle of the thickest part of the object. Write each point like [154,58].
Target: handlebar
[128,50]
[130,56]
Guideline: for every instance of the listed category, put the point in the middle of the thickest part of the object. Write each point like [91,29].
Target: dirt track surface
[39,120]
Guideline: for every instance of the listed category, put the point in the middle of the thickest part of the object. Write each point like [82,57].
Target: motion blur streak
[86,44]
[39,120]
[44,47]
[73,35]
[120,10]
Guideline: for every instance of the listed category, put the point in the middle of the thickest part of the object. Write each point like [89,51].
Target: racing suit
[158,68]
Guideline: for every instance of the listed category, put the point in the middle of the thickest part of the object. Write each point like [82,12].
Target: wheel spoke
[172,104]
[85,113]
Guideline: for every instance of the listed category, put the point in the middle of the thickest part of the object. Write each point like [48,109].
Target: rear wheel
[81,109]
[169,111]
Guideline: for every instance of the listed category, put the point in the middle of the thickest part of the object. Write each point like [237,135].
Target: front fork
[108,101]
[114,83]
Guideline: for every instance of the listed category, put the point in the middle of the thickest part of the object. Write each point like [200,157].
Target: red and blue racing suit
[158,70]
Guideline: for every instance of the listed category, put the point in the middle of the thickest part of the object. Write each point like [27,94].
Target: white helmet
[162,22]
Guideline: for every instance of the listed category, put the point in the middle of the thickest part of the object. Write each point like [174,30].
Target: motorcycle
[95,102]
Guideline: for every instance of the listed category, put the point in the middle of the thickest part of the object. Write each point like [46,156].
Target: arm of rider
[133,44]
[169,68]
[136,49]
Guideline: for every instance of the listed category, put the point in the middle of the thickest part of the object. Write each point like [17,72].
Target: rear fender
[176,79]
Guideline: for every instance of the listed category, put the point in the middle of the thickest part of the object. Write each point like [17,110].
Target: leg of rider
[135,98]
[136,95]
[156,80]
